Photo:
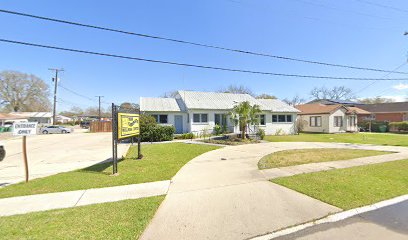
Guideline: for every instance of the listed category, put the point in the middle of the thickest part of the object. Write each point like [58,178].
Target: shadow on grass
[100,168]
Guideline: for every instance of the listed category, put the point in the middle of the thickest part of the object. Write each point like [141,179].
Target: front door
[178,123]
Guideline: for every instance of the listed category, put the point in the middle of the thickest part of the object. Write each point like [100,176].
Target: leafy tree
[266,96]
[243,114]
[170,94]
[23,92]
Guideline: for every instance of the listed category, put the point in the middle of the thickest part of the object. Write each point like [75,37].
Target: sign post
[24,129]
[124,125]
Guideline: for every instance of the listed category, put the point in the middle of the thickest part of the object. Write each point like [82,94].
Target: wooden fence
[97,126]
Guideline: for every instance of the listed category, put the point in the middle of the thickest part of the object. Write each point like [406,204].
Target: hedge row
[151,132]
[399,126]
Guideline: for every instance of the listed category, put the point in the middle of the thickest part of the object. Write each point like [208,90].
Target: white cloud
[401,86]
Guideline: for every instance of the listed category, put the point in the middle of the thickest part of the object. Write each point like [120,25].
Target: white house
[323,118]
[192,111]
[39,117]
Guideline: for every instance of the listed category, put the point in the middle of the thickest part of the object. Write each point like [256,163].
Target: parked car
[55,129]
[85,124]
[2,152]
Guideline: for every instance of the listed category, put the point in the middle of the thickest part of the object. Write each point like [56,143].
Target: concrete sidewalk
[48,201]
[223,195]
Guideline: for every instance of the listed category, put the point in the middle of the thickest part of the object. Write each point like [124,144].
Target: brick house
[390,112]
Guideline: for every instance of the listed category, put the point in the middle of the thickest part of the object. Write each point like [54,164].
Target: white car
[55,129]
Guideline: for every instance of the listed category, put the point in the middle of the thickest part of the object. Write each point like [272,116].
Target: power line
[76,93]
[197,66]
[375,81]
[383,6]
[196,44]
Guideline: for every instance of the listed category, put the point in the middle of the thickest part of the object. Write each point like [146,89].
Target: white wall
[338,113]
[170,119]
[272,128]
[199,127]
[328,122]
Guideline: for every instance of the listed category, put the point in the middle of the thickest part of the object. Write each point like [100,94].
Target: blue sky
[345,32]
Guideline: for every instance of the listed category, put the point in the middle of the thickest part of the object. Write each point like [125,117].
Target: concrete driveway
[55,153]
[222,195]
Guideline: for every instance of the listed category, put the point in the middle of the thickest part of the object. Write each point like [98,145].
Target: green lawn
[364,138]
[160,162]
[353,187]
[119,220]
[303,156]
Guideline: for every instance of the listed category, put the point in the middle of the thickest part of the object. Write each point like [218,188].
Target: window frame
[313,119]
[262,117]
[338,123]
[200,118]
[157,117]
[276,118]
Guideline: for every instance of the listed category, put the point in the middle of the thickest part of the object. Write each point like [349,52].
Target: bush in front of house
[375,125]
[399,126]
[261,133]
[151,132]
[218,129]
[185,136]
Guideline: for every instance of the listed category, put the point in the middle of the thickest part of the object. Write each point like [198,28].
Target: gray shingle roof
[210,101]
[159,104]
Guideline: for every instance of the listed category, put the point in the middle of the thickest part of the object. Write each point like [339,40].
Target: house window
[160,118]
[315,121]
[338,121]
[220,119]
[200,117]
[262,119]
[282,118]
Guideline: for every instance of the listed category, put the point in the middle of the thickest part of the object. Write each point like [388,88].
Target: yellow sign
[128,125]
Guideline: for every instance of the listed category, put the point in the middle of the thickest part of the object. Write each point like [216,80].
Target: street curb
[332,218]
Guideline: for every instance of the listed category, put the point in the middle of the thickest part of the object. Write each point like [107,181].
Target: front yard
[363,138]
[303,156]
[160,162]
[352,187]
[118,220]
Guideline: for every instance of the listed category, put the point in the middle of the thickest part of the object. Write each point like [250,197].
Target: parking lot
[54,153]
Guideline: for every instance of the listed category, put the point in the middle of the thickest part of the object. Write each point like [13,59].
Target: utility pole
[99,109]
[55,80]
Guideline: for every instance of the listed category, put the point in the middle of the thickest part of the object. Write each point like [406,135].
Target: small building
[63,119]
[389,112]
[39,117]
[8,119]
[196,112]
[333,118]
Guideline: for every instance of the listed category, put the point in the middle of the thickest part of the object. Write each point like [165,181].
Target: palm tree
[243,114]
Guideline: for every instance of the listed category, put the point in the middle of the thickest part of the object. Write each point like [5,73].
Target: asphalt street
[389,222]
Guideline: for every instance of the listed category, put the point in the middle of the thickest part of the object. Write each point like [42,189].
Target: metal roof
[276,105]
[210,101]
[159,104]
[33,114]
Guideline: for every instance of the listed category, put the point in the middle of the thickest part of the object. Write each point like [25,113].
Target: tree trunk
[243,131]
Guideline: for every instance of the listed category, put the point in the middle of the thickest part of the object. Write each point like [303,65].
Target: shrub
[399,126]
[185,136]
[151,132]
[217,129]
[375,125]
[261,133]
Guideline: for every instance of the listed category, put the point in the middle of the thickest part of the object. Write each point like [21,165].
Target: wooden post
[25,157]
[139,153]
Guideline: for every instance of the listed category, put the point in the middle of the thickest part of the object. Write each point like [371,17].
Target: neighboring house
[196,112]
[63,119]
[39,117]
[333,118]
[334,102]
[8,119]
[390,112]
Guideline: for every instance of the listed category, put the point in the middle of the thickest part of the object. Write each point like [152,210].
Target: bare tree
[296,100]
[23,92]
[336,93]
[170,94]
[266,96]
[376,100]
[237,89]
